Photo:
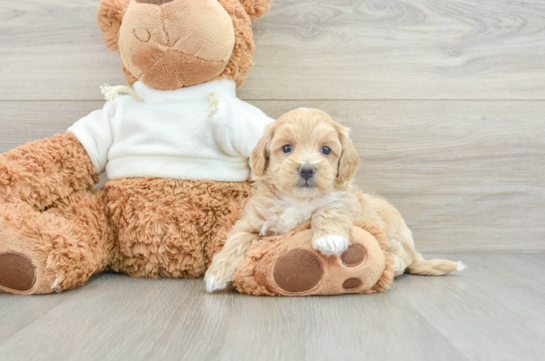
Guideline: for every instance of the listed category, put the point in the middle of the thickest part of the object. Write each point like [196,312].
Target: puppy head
[305,153]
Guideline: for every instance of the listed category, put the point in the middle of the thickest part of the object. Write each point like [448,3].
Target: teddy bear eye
[142,34]
[326,150]
[287,148]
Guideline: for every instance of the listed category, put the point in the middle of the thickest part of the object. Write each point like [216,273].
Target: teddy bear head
[169,44]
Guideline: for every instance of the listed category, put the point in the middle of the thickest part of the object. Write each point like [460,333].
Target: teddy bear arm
[45,172]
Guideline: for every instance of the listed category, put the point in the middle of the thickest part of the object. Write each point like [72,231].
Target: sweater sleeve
[95,132]
[251,124]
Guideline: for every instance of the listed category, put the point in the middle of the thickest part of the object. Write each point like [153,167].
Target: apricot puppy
[302,170]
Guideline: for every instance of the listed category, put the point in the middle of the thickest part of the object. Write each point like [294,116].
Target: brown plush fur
[256,8]
[241,61]
[46,172]
[142,227]
[170,228]
[158,60]
[109,17]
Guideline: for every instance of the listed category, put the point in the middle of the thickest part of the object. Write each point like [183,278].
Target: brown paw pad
[353,256]
[16,271]
[297,271]
[352,283]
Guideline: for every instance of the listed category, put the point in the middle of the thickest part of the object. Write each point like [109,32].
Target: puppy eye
[326,150]
[287,148]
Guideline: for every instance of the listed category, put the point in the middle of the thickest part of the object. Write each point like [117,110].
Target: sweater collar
[199,91]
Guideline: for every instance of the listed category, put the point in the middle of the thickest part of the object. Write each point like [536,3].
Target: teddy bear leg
[288,265]
[22,267]
[54,250]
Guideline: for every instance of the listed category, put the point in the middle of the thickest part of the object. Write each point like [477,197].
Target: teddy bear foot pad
[288,266]
[16,271]
[300,270]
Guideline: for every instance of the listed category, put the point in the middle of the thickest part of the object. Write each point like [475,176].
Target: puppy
[302,170]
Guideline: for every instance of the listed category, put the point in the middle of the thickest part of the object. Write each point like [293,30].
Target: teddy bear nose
[154,2]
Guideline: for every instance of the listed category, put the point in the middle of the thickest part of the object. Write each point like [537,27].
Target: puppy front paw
[331,245]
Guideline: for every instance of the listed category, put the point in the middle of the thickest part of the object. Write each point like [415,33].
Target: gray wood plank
[484,313]
[487,315]
[336,328]
[119,318]
[25,121]
[526,266]
[310,49]
[18,312]
[466,175]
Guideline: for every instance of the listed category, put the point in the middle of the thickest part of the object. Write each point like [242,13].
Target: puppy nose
[154,2]
[307,171]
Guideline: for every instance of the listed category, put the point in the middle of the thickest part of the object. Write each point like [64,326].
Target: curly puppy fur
[302,170]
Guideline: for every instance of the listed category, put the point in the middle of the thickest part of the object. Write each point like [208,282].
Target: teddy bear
[175,151]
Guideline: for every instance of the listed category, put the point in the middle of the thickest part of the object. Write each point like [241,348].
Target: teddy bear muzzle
[169,44]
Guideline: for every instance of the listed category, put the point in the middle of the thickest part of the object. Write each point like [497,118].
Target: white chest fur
[286,213]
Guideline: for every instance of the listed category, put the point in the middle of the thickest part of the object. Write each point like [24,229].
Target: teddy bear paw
[16,271]
[295,264]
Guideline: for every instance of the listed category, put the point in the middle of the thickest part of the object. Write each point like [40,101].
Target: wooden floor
[494,310]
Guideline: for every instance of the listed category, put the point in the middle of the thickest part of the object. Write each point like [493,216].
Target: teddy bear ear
[256,8]
[109,16]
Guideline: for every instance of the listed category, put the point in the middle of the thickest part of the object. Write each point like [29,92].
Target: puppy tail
[434,267]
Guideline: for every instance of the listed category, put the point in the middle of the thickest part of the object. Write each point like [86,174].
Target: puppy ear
[260,154]
[349,161]
[256,8]
[109,16]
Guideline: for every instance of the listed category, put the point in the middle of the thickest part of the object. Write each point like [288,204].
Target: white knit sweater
[172,134]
